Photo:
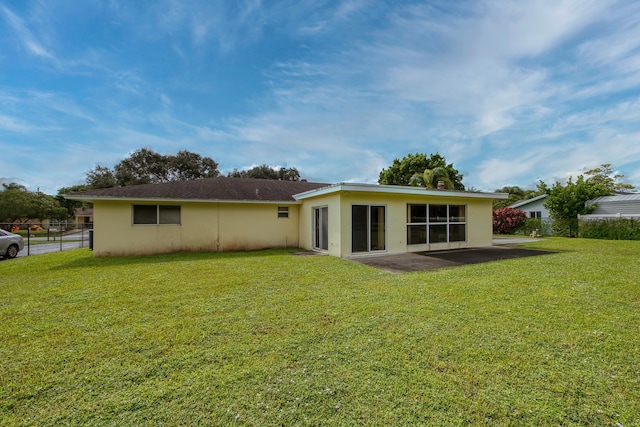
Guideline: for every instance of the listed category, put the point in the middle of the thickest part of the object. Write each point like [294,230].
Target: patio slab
[432,260]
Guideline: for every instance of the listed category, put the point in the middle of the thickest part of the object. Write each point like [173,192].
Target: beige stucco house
[231,214]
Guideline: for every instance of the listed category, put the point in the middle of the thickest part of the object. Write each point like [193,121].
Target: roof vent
[441,185]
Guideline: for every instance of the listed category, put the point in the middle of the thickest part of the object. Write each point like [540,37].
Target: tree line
[145,166]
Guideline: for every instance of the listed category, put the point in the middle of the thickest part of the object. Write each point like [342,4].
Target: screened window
[156,214]
[145,214]
[443,224]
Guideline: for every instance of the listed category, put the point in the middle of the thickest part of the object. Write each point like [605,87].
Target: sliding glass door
[321,228]
[368,228]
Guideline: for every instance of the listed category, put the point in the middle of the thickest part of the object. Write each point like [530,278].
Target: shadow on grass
[93,262]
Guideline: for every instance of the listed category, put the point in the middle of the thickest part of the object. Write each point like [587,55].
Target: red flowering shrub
[508,220]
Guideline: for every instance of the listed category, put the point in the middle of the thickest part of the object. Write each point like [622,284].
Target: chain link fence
[45,237]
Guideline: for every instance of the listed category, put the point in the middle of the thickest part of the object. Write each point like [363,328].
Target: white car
[10,244]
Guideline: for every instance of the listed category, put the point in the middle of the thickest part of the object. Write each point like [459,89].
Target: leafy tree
[186,166]
[508,220]
[410,170]
[288,174]
[568,201]
[145,166]
[604,177]
[101,177]
[17,205]
[70,205]
[266,172]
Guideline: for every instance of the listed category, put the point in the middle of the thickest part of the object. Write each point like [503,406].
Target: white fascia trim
[396,189]
[527,201]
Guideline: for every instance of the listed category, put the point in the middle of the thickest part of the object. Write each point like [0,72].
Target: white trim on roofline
[527,201]
[615,198]
[395,189]
[608,216]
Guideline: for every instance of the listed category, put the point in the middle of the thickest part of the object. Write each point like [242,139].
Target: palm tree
[416,180]
[432,176]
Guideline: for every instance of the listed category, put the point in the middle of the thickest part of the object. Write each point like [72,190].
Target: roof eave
[396,189]
[92,199]
[526,201]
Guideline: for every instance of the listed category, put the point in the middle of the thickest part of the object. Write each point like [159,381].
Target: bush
[508,220]
[611,229]
[531,224]
[565,227]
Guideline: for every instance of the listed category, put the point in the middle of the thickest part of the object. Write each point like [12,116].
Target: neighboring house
[534,207]
[83,216]
[229,214]
[617,206]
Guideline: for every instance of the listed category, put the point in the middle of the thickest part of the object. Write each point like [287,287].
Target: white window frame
[283,211]
[427,223]
[321,212]
[368,227]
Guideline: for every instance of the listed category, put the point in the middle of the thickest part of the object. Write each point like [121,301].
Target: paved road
[54,246]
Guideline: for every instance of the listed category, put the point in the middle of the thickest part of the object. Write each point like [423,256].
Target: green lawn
[269,338]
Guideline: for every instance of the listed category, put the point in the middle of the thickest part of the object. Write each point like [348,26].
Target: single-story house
[230,214]
[616,206]
[534,207]
[83,216]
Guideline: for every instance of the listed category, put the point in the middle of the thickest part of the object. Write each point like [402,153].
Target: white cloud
[25,35]
[509,91]
[13,124]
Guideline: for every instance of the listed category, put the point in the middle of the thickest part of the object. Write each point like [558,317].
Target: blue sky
[511,92]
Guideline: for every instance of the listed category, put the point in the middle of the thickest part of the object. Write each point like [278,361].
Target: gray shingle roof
[220,188]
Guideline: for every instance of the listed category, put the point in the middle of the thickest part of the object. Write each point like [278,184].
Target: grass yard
[269,338]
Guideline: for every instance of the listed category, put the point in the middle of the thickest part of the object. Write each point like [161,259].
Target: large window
[436,224]
[368,228]
[156,214]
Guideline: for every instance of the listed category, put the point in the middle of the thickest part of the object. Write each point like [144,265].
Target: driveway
[432,260]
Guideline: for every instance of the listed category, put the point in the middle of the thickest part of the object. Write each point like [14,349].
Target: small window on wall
[283,211]
[156,214]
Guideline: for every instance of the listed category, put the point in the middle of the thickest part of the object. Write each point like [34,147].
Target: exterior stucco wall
[306,231]
[213,226]
[257,226]
[204,227]
[478,220]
